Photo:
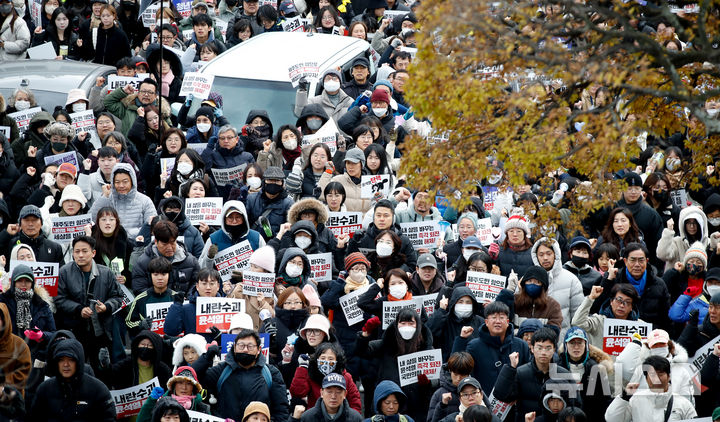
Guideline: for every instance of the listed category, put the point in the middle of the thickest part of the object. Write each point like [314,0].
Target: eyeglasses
[146,93]
[328,18]
[634,189]
[226,138]
[313,332]
[242,346]
[294,303]
[478,269]
[468,395]
[622,302]
[167,38]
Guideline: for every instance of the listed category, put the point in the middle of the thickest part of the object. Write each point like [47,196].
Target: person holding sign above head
[91,399]
[261,261]
[451,315]
[350,180]
[533,301]
[235,229]
[181,316]
[621,304]
[243,377]
[28,231]
[407,334]
[331,406]
[137,316]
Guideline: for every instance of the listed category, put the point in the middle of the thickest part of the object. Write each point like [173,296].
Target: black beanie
[538,273]
[207,112]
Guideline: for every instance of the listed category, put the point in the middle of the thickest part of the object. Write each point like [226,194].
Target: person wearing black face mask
[532,301]
[59,135]
[244,377]
[143,364]
[268,209]
[657,195]
[580,263]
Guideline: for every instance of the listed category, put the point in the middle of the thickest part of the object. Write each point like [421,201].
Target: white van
[254,74]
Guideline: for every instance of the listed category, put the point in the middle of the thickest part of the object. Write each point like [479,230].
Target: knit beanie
[355,258]
[472,217]
[538,273]
[184,373]
[311,295]
[256,407]
[517,221]
[73,192]
[264,258]
[696,250]
[206,111]
[380,95]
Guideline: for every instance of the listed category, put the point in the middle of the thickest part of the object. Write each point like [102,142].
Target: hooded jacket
[195,341]
[125,373]
[41,304]
[671,248]
[647,406]
[254,144]
[564,286]
[242,386]
[134,208]
[184,270]
[325,240]
[124,107]
[45,249]
[80,398]
[311,110]
[446,325]
[598,371]
[384,389]
[223,239]
[5,120]
[14,354]
[335,112]
[365,239]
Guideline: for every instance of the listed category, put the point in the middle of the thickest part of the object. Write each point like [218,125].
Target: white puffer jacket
[646,406]
[16,39]
[671,248]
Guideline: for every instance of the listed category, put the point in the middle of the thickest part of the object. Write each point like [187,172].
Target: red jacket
[302,386]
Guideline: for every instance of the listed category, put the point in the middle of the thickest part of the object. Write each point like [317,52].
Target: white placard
[233,258]
[216,311]
[198,147]
[222,25]
[272,3]
[187,34]
[65,229]
[65,157]
[428,362]
[327,134]
[115,81]
[422,234]
[84,121]
[230,176]
[698,360]
[295,24]
[679,198]
[5,130]
[485,286]
[46,274]
[617,334]
[167,165]
[428,302]
[204,210]
[484,231]
[309,69]
[157,312]
[348,303]
[22,118]
[344,222]
[148,15]
[499,408]
[203,417]
[36,12]
[42,52]
[391,309]
[256,284]
[390,14]
[375,186]
[197,84]
[321,266]
[129,401]
[127,299]
[411,50]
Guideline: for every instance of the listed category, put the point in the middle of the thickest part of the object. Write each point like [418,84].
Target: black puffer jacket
[438,410]
[8,171]
[287,323]
[365,239]
[512,260]
[445,325]
[45,249]
[587,275]
[79,398]
[112,45]
[125,373]
[184,270]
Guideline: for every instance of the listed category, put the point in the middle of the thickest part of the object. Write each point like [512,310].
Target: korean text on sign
[128,401]
[377,186]
[485,286]
[348,303]
[256,284]
[197,84]
[344,222]
[65,229]
[204,210]
[422,234]
[216,311]
[236,257]
[46,274]
[321,266]
[157,313]
[391,309]
[617,332]
[428,362]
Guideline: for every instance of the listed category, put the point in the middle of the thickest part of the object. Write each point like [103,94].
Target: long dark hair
[105,245]
[197,161]
[408,346]
[313,370]
[609,235]
[52,28]
[650,183]
[319,145]
[333,12]
[382,155]
[523,301]
[395,260]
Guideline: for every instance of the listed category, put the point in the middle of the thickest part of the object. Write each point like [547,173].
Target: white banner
[378,184]
[22,118]
[233,258]
[295,24]
[428,362]
[197,84]
[198,147]
[499,408]
[230,176]
[256,284]
[422,234]
[321,266]
[216,311]
[115,81]
[392,308]
[428,302]
[617,332]
[327,134]
[204,210]
[698,360]
[44,51]
[5,130]
[344,222]
[65,157]
[157,313]
[128,401]
[485,286]
[484,231]
[46,274]
[310,70]
[348,303]
[203,417]
[222,25]
[65,229]
[84,121]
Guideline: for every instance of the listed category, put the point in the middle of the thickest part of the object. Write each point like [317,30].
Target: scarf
[166,81]
[351,285]
[639,285]
[197,174]
[290,155]
[286,280]
[185,401]
[407,296]
[23,316]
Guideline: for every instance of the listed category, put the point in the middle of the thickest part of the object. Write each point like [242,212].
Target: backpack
[227,371]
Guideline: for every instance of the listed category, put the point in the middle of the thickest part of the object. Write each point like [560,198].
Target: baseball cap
[334,380]
[355,155]
[426,260]
[67,168]
[575,332]
[472,242]
[361,61]
[657,336]
[468,381]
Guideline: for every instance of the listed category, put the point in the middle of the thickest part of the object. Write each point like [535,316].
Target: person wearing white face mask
[461,309]
[294,269]
[379,107]
[394,287]
[205,129]
[333,99]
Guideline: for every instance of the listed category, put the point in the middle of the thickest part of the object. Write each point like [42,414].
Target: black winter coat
[439,410]
[112,45]
[587,275]
[345,333]
[365,239]
[287,323]
[315,414]
[184,270]
[45,249]
[126,374]
[519,261]
[42,315]
[446,326]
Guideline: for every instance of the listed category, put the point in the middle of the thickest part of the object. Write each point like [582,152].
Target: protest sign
[199,148]
[428,303]
[321,266]
[310,70]
[227,341]
[22,118]
[372,185]
[344,222]
[46,274]
[167,165]
[698,360]
[348,303]
[5,130]
[497,407]
[184,7]
[84,121]
[222,25]
[422,234]
[157,313]
[337,30]
[197,84]
[36,12]
[327,134]
[679,198]
[374,56]
[295,24]
[216,311]
[233,258]
[148,15]
[617,332]
[485,286]
[272,3]
[187,34]
[413,52]
[229,176]
[484,231]
[65,229]
[391,309]
[127,298]
[203,417]
[204,210]
[115,81]
[65,157]
[44,51]
[391,14]
[428,362]
[489,195]
[256,284]
[128,401]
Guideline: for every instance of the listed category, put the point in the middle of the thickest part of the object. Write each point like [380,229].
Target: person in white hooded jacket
[653,403]
[14,33]
[234,230]
[187,349]
[564,287]
[658,343]
[693,228]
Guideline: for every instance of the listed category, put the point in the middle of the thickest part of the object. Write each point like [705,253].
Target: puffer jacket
[16,39]
[126,373]
[365,239]
[587,275]
[647,406]
[671,248]
[8,171]
[124,107]
[223,239]
[134,208]
[181,317]
[680,310]
[564,286]
[191,236]
[278,207]
[184,270]
[354,202]
[511,260]
[31,137]
[334,111]
[446,326]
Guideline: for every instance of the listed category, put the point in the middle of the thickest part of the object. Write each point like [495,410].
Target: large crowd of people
[616,322]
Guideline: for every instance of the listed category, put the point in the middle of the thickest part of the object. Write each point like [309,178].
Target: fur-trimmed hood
[596,354]
[196,341]
[3,104]
[129,103]
[307,204]
[40,292]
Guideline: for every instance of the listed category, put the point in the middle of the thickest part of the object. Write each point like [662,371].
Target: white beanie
[264,258]
[241,320]
[73,192]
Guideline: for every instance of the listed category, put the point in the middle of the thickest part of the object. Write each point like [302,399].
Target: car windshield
[242,95]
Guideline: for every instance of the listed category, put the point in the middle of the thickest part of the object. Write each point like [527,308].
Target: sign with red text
[203,417]
[392,308]
[204,210]
[375,186]
[230,176]
[308,70]
[84,121]
[321,266]
[327,135]
[348,303]
[422,234]
[115,81]
[46,274]
[617,334]
[65,157]
[344,222]
[428,302]
[157,313]
[484,231]
[129,401]
[216,311]
[197,84]
[485,286]
[256,284]
[236,257]
[65,229]
[427,362]
[22,118]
